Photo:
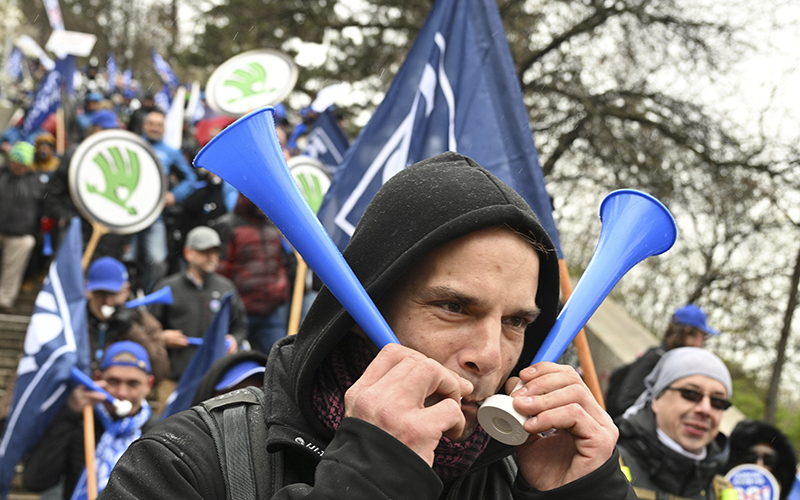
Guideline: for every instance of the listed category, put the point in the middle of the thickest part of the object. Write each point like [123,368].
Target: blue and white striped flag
[46,101]
[57,340]
[164,70]
[13,66]
[326,142]
[456,91]
[113,71]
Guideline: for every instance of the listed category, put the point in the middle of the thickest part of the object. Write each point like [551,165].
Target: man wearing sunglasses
[669,439]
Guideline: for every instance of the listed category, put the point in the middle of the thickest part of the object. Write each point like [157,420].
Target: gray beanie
[677,364]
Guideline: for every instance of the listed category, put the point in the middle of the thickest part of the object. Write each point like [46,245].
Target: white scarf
[118,436]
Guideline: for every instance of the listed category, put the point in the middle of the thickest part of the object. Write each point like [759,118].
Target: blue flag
[162,99]
[66,67]
[326,142]
[56,341]
[212,348]
[113,71]
[164,70]
[457,90]
[46,101]
[13,67]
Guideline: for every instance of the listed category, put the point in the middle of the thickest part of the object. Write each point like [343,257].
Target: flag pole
[580,341]
[98,230]
[61,137]
[89,452]
[297,294]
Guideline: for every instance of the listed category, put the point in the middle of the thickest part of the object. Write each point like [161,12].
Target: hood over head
[424,206]
[748,433]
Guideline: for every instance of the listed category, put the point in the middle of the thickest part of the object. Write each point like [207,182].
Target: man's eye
[453,307]
[517,321]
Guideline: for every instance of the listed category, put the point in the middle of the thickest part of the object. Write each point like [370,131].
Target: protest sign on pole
[117,183]
[249,81]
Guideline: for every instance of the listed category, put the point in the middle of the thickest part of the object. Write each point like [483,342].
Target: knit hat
[126,353]
[677,364]
[22,152]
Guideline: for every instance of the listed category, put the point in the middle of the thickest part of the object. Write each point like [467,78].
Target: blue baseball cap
[239,372]
[693,316]
[104,118]
[94,96]
[126,353]
[107,274]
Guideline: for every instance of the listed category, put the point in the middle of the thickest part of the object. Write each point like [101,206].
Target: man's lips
[696,429]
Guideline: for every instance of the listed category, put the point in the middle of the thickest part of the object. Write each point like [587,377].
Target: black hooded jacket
[421,208]
[748,433]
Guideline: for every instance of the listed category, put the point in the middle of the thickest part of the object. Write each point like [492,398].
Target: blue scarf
[118,436]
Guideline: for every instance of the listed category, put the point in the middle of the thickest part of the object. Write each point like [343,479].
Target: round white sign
[115,179]
[249,81]
[312,178]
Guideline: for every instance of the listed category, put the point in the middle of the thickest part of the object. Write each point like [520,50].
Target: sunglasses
[768,459]
[697,396]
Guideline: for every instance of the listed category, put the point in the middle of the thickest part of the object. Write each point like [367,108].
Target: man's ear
[150,381]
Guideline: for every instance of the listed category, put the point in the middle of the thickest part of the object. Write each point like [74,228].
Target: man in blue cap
[107,289]
[687,328]
[125,372]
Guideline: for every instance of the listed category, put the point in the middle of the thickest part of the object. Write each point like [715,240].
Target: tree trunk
[771,404]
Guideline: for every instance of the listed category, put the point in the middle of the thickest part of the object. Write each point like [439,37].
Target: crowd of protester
[210,240]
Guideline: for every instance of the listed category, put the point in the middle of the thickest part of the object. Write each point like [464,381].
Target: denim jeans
[153,256]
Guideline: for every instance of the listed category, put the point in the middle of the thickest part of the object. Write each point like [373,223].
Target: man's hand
[169,199]
[81,396]
[232,345]
[174,339]
[392,392]
[585,435]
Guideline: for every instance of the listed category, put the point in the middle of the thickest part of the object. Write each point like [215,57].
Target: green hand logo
[311,189]
[121,179]
[249,82]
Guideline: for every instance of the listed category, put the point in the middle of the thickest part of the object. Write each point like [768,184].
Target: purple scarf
[343,366]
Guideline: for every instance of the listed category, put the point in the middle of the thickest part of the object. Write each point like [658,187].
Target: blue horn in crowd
[635,226]
[248,155]
[162,296]
[121,406]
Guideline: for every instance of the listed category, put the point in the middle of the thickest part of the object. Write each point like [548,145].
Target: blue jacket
[169,158]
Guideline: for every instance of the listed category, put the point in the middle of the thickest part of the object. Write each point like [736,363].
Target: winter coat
[657,468]
[420,209]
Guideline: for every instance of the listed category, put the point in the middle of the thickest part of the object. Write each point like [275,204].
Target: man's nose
[482,352]
[704,406]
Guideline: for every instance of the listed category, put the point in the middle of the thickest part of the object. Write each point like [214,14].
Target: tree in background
[621,93]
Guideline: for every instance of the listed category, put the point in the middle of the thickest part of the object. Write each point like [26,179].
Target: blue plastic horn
[162,296]
[635,226]
[248,155]
[121,406]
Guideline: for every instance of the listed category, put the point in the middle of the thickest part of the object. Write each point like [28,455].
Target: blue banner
[457,90]
[162,99]
[113,71]
[212,348]
[326,142]
[56,341]
[164,70]
[13,66]
[46,101]
[66,67]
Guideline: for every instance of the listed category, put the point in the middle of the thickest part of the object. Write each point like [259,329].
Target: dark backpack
[237,424]
[614,388]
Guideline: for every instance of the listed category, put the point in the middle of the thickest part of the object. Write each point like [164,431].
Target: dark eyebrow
[446,292]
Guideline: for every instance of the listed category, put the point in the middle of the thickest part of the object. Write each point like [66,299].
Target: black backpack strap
[237,426]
